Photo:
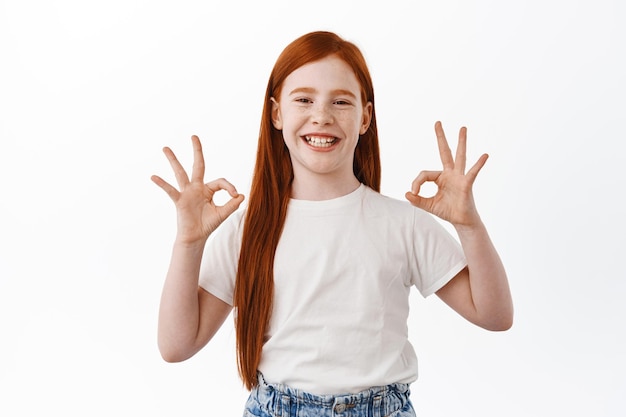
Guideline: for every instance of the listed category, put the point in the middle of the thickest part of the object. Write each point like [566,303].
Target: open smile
[320,141]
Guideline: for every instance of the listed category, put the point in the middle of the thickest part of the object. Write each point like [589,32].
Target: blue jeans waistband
[284,401]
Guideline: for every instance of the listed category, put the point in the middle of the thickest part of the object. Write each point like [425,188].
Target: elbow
[498,320]
[501,319]
[173,354]
[500,326]
[501,323]
[171,357]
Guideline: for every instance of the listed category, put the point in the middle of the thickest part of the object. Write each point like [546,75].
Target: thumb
[417,201]
[231,205]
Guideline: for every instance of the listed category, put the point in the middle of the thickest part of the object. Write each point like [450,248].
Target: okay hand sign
[197,215]
[454,201]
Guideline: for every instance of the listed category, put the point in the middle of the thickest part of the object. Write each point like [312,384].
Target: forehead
[327,74]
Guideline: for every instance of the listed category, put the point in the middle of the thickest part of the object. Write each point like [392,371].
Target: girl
[319,265]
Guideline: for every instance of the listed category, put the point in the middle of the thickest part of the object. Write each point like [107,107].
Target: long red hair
[270,192]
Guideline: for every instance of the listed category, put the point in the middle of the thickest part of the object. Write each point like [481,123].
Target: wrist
[189,244]
[474,227]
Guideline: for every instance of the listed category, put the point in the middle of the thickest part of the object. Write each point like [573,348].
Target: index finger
[222,184]
[197,172]
[444,149]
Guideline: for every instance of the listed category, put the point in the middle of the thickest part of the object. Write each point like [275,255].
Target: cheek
[294,117]
[353,121]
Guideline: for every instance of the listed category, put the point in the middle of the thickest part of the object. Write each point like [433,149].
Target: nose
[322,114]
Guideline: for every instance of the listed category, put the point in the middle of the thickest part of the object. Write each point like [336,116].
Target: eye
[303,100]
[342,102]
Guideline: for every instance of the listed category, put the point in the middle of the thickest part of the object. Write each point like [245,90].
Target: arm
[480,292]
[188,315]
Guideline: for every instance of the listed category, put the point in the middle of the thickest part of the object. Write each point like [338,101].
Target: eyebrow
[309,90]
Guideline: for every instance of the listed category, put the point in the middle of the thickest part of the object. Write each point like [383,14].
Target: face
[321,115]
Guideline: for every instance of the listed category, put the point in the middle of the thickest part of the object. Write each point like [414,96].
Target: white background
[91,91]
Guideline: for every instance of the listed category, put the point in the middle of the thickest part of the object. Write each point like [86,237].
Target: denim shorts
[276,400]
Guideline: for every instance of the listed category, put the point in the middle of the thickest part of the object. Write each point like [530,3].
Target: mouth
[320,141]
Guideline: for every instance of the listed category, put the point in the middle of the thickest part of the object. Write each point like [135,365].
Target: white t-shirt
[342,274]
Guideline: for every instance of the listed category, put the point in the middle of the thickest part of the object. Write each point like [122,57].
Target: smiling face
[321,114]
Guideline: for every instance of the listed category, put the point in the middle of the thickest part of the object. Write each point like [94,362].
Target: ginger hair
[270,192]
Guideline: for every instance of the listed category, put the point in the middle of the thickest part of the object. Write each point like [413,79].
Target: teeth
[320,141]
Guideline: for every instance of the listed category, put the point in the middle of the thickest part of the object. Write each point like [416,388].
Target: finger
[222,184]
[473,172]
[421,202]
[423,177]
[179,171]
[197,173]
[444,149]
[230,206]
[461,151]
[165,186]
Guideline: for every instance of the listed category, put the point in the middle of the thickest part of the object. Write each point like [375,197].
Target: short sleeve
[220,259]
[438,255]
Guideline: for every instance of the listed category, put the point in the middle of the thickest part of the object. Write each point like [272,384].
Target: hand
[454,201]
[197,214]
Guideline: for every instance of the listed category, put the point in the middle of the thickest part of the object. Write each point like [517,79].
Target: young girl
[319,265]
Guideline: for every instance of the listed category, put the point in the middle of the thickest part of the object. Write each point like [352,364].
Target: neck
[318,189]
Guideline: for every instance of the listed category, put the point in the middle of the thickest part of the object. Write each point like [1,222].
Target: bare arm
[188,315]
[480,292]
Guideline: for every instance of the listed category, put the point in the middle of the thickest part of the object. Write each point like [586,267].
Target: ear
[276,118]
[367,117]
